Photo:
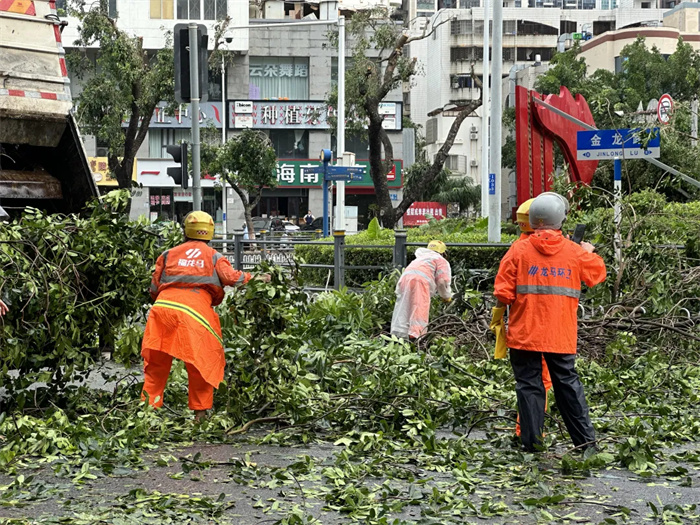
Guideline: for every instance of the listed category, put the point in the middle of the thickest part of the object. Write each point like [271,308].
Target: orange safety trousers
[157,370]
[547,380]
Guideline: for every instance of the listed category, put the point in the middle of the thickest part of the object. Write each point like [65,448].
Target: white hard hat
[547,212]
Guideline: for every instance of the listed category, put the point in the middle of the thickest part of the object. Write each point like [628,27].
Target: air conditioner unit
[473,130]
[474,136]
[474,163]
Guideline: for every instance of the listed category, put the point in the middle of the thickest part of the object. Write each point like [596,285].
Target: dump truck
[43,163]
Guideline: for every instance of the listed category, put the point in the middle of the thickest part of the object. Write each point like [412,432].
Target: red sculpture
[536,127]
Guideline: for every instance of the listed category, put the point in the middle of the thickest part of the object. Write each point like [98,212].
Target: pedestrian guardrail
[278,248]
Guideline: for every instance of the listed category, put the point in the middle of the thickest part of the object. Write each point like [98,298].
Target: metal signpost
[330,174]
[618,144]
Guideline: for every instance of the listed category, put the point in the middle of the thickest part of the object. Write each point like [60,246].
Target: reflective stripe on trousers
[194,314]
[542,289]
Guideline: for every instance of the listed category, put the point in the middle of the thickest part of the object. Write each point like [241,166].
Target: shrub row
[466,257]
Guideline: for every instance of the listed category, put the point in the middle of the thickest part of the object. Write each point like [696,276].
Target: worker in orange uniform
[523,219]
[540,278]
[428,274]
[188,281]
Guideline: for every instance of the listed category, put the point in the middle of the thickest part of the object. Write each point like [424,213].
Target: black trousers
[568,392]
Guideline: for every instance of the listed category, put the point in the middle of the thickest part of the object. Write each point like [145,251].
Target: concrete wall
[134,17]
[600,52]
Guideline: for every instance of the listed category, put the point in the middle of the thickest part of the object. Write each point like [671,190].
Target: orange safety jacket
[540,277]
[187,283]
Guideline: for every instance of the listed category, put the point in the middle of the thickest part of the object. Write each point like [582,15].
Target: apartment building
[532,31]
[277,81]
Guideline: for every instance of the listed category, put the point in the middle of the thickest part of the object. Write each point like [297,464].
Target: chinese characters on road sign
[618,143]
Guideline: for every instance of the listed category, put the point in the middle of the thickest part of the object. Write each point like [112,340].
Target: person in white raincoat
[428,274]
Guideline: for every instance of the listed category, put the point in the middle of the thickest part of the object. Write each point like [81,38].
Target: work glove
[498,328]
[448,300]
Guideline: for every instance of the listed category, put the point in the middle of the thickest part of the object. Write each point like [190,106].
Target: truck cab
[43,163]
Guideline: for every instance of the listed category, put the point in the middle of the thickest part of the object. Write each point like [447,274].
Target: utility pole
[224,182]
[194,92]
[340,139]
[494,184]
[694,121]
[485,117]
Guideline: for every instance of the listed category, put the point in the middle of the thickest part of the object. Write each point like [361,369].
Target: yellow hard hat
[523,216]
[437,246]
[199,225]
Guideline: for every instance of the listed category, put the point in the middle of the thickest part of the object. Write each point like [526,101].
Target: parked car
[268,224]
[316,225]
[290,227]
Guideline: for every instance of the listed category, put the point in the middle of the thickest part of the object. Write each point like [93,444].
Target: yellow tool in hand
[498,328]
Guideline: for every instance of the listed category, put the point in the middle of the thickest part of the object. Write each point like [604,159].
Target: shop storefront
[165,201]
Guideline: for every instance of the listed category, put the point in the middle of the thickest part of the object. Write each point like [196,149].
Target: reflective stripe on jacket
[194,264]
[432,267]
[540,277]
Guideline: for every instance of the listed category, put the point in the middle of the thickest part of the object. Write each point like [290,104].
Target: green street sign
[302,173]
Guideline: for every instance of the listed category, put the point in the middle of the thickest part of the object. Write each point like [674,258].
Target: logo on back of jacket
[192,260]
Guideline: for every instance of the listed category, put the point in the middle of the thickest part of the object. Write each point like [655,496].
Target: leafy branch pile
[72,283]
[419,433]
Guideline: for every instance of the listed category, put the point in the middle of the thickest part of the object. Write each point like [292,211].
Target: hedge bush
[448,231]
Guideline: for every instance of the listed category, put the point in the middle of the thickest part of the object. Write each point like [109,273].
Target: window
[462,81]
[358,145]
[468,4]
[158,139]
[526,27]
[509,27]
[334,69]
[189,9]
[290,143]
[431,131]
[279,78]
[529,54]
[214,85]
[461,27]
[162,9]
[462,54]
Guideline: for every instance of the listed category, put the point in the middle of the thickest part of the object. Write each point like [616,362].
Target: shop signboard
[300,173]
[102,174]
[300,114]
[152,173]
[210,114]
[418,213]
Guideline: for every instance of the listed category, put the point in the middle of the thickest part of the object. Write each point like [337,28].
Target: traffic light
[182,63]
[180,173]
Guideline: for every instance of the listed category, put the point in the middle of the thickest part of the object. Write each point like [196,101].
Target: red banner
[417,213]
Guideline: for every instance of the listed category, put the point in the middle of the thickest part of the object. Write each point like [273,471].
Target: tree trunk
[378,167]
[438,163]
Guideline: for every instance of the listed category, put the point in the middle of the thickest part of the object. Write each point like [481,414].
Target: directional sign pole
[617,189]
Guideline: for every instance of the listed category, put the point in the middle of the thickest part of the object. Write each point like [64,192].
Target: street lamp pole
[340,143]
[224,182]
[485,111]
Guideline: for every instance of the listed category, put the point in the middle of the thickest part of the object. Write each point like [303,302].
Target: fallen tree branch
[245,428]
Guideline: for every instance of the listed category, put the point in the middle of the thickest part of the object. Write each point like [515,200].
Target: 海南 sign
[604,144]
[306,173]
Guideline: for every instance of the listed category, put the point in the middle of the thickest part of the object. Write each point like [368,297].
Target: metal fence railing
[278,248]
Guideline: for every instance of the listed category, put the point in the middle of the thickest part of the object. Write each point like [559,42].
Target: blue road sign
[609,144]
[492,184]
[336,170]
[320,170]
[342,176]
